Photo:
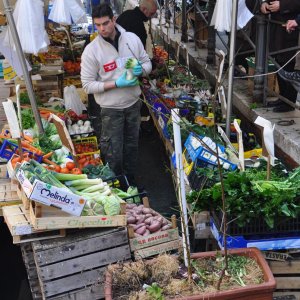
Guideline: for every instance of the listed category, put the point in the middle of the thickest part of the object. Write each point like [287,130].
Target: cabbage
[112,206]
[92,208]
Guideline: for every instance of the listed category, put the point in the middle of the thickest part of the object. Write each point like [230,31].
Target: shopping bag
[72,100]
[67,12]
[60,12]
[29,20]
[77,11]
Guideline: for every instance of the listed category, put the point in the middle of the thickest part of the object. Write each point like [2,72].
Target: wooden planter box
[73,267]
[262,291]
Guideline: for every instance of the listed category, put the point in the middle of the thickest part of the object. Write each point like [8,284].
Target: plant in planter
[248,275]
[202,276]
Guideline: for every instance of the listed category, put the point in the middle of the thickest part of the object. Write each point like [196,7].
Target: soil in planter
[167,277]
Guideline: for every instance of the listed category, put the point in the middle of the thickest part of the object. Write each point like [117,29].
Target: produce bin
[157,242]
[86,146]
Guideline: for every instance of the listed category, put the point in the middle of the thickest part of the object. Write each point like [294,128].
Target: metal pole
[231,65]
[15,36]
[211,39]
[260,58]
[184,36]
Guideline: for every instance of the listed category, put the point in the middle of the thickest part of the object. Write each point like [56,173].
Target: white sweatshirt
[100,62]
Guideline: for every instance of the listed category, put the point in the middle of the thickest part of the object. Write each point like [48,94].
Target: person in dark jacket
[133,19]
[282,11]
[293,77]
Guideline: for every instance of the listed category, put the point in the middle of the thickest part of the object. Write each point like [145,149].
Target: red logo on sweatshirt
[110,66]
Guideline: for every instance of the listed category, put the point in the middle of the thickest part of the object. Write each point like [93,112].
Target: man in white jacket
[104,75]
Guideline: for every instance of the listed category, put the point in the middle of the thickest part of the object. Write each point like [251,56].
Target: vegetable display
[249,196]
[144,220]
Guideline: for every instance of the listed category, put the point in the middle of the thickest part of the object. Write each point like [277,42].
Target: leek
[80,182]
[69,177]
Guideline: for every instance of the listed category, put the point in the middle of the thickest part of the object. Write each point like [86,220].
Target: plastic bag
[72,100]
[77,11]
[29,19]
[60,13]
[66,11]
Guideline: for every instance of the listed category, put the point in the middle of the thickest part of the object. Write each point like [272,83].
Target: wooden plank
[154,239]
[287,293]
[94,292]
[158,249]
[73,282]
[285,267]
[74,236]
[29,263]
[46,235]
[83,263]
[287,283]
[68,221]
[17,220]
[81,247]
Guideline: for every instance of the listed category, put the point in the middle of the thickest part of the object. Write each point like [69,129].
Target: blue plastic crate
[203,157]
[262,242]
[7,154]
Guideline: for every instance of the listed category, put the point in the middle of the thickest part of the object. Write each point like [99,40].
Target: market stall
[59,187]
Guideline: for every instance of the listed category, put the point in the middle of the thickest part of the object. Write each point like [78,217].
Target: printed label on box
[57,197]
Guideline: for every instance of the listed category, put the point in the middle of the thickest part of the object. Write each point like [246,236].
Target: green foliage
[155,292]
[27,118]
[248,195]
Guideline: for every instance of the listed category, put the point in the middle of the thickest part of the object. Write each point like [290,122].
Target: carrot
[28,138]
[29,147]
[49,162]
[48,155]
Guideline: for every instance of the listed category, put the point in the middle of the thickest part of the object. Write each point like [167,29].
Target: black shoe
[283,108]
[275,103]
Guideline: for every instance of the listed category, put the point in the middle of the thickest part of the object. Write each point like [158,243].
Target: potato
[148,221]
[141,230]
[146,210]
[140,219]
[135,227]
[155,226]
[131,220]
[147,232]
[166,227]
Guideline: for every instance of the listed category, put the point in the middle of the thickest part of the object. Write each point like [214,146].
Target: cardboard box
[51,196]
[271,79]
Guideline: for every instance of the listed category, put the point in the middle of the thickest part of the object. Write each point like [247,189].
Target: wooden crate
[154,243]
[272,83]
[8,194]
[201,225]
[286,271]
[28,259]
[17,220]
[74,267]
[46,217]
[3,171]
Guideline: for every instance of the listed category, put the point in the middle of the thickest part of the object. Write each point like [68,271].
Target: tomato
[70,165]
[76,171]
[82,160]
[65,171]
[57,169]
[16,159]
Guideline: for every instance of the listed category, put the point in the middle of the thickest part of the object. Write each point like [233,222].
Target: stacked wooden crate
[74,267]
[286,270]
